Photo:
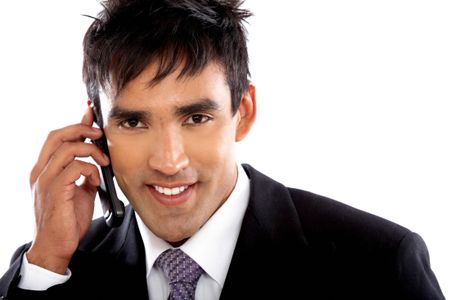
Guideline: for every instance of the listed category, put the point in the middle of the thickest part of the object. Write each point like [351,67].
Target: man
[172,77]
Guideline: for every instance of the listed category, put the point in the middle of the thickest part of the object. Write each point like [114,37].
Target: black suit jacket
[292,245]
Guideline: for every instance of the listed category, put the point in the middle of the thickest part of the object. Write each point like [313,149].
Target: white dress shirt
[211,247]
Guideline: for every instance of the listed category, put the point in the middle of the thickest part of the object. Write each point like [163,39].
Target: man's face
[172,148]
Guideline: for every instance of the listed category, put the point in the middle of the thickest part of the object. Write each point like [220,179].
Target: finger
[88,117]
[67,153]
[75,170]
[58,137]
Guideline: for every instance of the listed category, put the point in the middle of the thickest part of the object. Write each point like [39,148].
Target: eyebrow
[203,105]
[120,113]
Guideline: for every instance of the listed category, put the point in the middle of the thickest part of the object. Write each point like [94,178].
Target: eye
[131,123]
[197,119]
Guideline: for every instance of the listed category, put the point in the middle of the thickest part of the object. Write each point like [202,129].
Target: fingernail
[89,102]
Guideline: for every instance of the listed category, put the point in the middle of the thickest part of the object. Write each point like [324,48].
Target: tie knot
[183,273]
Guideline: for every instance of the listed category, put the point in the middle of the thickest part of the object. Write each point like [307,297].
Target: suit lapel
[132,261]
[271,233]
[120,259]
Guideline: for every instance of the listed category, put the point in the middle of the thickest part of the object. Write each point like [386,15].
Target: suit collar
[272,210]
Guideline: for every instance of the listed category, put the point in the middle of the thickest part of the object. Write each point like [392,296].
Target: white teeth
[170,191]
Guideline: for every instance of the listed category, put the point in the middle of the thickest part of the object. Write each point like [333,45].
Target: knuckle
[69,150]
[76,148]
[65,147]
[33,175]
[53,134]
[40,186]
[78,164]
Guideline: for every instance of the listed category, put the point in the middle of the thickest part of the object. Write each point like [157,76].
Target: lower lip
[173,200]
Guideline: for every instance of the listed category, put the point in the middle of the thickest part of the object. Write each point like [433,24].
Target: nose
[168,155]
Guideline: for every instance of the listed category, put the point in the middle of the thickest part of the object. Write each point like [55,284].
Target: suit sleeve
[12,276]
[417,280]
[9,282]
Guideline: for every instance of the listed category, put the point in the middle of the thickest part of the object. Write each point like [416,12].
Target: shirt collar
[213,245]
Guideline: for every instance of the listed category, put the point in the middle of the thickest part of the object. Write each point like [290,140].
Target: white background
[354,101]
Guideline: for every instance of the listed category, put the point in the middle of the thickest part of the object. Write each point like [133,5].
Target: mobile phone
[113,208]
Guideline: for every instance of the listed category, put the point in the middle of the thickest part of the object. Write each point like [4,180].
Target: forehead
[210,82]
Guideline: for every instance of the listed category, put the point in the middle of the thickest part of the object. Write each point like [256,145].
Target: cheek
[214,147]
[127,156]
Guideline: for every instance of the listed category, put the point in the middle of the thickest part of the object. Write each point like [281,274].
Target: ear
[246,113]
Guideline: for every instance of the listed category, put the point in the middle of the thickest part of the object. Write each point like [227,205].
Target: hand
[63,209]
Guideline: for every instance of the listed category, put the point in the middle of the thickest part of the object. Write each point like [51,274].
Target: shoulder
[325,217]
[346,248]
[322,218]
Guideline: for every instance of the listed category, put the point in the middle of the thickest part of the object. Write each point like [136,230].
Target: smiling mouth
[170,191]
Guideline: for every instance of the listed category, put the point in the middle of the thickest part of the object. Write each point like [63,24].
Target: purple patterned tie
[183,273]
